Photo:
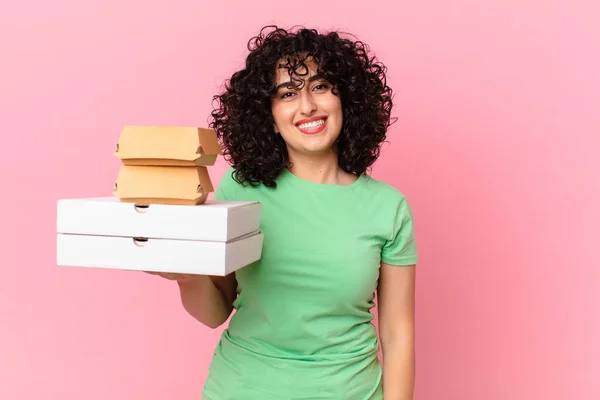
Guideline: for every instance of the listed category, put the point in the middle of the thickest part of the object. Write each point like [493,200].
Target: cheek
[336,112]
[282,114]
[333,105]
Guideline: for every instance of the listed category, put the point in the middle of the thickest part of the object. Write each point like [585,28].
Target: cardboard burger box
[148,184]
[165,165]
[168,145]
[159,218]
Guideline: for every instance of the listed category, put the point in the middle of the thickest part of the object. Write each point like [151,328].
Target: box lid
[167,145]
[163,184]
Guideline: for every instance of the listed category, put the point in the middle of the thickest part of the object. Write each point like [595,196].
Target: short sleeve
[400,248]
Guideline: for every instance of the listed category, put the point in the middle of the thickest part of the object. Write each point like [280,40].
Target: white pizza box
[215,220]
[160,255]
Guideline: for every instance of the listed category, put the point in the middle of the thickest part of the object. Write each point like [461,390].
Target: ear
[276,129]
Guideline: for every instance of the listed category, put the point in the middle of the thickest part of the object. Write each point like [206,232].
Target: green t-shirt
[302,324]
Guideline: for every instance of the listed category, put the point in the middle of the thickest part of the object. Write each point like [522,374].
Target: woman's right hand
[172,276]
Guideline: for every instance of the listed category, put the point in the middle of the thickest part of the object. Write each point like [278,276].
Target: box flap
[204,178]
[163,184]
[209,144]
[167,145]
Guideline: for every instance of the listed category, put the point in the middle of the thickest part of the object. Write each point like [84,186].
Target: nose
[307,103]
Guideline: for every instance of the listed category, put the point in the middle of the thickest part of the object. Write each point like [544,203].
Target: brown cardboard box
[167,145]
[151,184]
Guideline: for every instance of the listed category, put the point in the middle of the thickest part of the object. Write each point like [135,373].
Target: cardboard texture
[216,220]
[161,255]
[143,184]
[167,145]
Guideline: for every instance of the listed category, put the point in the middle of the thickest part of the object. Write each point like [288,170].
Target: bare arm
[209,299]
[396,303]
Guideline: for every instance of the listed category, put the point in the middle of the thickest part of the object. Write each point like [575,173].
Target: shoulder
[229,188]
[390,202]
[228,180]
[383,191]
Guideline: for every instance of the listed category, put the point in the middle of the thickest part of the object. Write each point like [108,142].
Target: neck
[320,169]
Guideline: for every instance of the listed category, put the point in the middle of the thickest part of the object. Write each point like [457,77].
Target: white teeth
[312,125]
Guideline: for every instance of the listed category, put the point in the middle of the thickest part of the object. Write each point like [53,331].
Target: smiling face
[308,118]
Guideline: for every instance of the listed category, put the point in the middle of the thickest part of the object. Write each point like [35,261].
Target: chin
[315,150]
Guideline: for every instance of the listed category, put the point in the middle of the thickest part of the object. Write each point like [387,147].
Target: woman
[300,125]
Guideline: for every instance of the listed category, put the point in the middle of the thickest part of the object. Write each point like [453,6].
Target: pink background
[496,146]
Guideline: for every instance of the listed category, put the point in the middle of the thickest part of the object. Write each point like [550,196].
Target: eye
[321,86]
[287,94]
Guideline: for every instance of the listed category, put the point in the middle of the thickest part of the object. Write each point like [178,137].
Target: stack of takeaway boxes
[159,218]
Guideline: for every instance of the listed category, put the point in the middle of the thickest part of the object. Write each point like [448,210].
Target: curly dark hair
[243,120]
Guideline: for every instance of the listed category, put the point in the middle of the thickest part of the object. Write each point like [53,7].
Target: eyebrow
[313,78]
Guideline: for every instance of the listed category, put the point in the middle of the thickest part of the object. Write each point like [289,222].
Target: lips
[311,126]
